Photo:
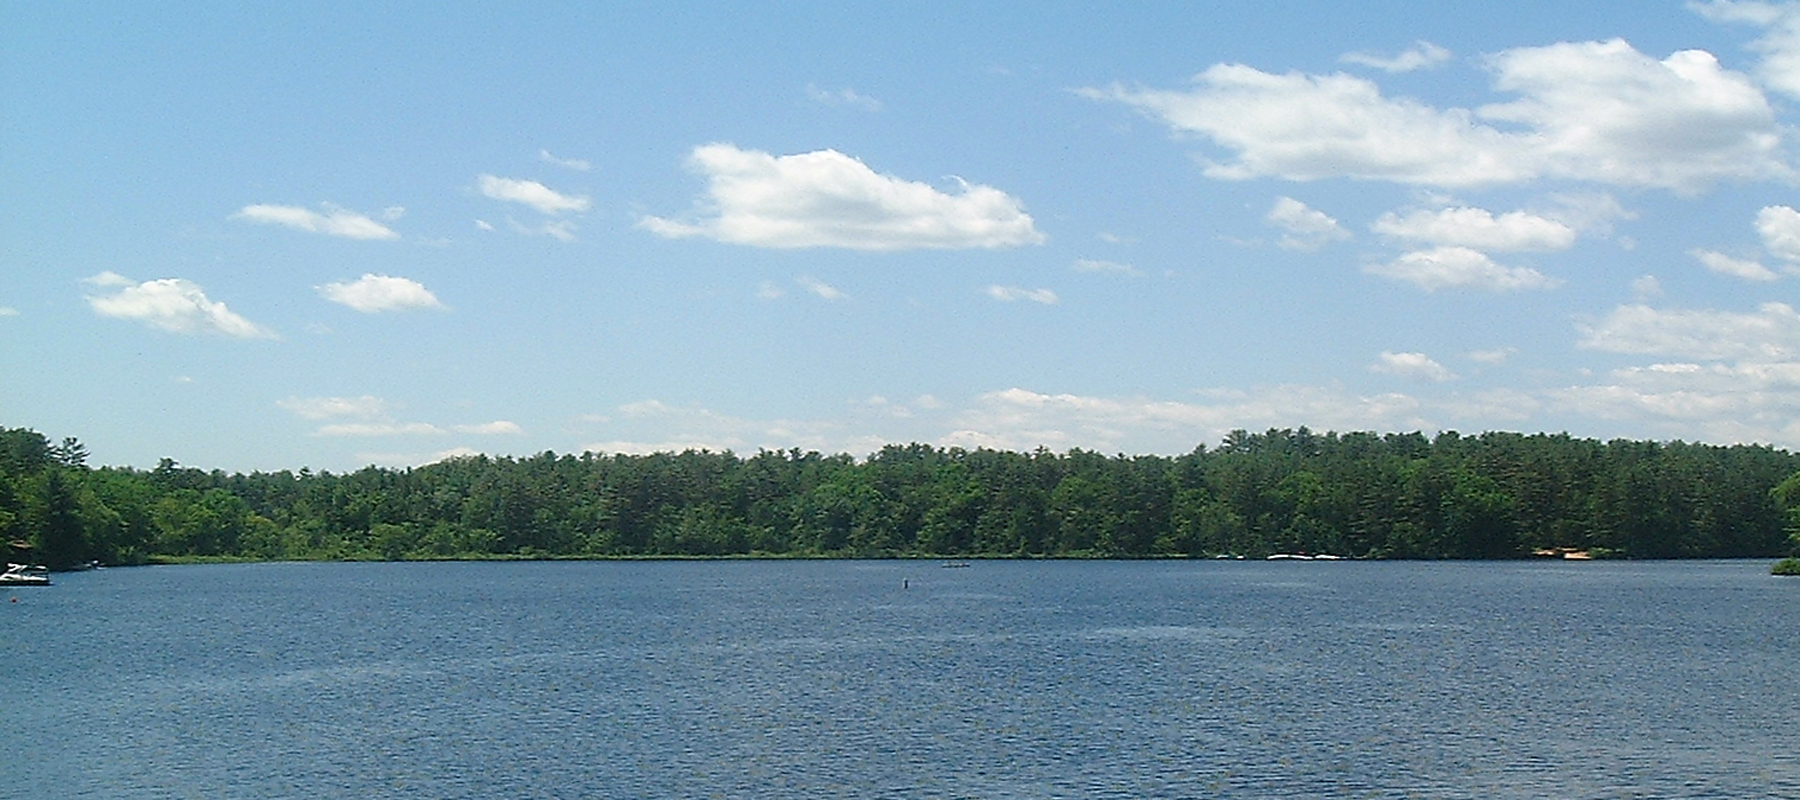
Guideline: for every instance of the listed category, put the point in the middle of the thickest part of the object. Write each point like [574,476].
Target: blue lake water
[894,679]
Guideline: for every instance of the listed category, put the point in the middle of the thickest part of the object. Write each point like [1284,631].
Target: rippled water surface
[886,679]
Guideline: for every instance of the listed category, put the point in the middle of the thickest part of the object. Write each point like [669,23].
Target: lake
[905,679]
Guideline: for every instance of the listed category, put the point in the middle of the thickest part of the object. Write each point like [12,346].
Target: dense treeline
[1498,495]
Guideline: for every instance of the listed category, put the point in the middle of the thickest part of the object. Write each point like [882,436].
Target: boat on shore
[25,575]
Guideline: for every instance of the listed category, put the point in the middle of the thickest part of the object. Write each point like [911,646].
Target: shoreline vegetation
[1353,495]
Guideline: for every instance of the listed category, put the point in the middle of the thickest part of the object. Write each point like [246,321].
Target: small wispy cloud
[415,459]
[1498,355]
[498,427]
[1734,267]
[1011,294]
[332,221]
[1413,366]
[1421,55]
[363,407]
[562,230]
[543,198]
[820,288]
[371,416]
[369,429]
[841,97]
[1305,228]
[1105,267]
[577,164]
[1460,268]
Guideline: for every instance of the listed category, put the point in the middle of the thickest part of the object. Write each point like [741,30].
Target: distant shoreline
[1289,493]
[959,559]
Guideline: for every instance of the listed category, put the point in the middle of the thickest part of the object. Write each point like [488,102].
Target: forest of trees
[1365,495]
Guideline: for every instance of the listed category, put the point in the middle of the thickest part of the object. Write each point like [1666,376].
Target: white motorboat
[24,575]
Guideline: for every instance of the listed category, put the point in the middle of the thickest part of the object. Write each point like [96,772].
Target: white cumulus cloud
[1021,419]
[1477,228]
[827,199]
[1308,127]
[374,293]
[1770,333]
[1603,111]
[531,193]
[1304,228]
[171,304]
[1460,268]
[1597,111]
[1779,45]
[333,221]
[1743,402]
[1779,227]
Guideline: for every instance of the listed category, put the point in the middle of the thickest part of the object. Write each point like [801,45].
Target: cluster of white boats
[25,575]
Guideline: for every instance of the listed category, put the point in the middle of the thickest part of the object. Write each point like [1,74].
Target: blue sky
[332,235]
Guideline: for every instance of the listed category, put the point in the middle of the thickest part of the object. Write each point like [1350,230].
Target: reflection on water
[905,680]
